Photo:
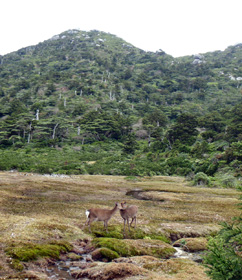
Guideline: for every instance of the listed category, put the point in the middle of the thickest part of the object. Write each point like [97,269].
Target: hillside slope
[98,96]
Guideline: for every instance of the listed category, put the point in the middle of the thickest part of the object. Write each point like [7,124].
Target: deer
[128,212]
[97,214]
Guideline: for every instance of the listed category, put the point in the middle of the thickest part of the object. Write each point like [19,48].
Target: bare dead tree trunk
[37,115]
[29,136]
[149,139]
[54,130]
[170,146]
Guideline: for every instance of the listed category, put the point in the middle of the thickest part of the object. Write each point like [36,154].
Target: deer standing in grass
[128,212]
[104,215]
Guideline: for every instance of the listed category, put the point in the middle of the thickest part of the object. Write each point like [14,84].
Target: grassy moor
[43,217]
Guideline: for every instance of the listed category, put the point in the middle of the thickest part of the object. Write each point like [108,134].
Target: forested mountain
[89,102]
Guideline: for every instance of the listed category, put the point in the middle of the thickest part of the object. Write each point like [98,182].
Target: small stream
[63,269]
[180,253]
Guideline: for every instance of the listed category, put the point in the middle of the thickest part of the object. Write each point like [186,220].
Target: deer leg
[124,228]
[89,221]
[133,219]
[128,224]
[135,222]
[106,225]
[89,225]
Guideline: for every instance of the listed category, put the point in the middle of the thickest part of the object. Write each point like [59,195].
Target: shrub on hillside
[201,179]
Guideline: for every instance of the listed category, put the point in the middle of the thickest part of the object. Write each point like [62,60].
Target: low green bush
[201,179]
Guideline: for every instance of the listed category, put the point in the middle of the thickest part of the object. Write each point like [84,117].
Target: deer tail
[87,213]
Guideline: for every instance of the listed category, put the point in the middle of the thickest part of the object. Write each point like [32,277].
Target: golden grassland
[40,209]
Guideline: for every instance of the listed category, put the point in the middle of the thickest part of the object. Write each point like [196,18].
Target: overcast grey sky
[179,27]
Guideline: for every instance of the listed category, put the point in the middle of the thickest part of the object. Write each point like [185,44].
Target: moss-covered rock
[116,231]
[30,251]
[102,254]
[74,257]
[113,232]
[129,247]
[192,244]
[149,234]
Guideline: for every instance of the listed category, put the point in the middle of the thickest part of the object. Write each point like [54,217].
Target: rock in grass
[104,254]
[74,257]
[192,244]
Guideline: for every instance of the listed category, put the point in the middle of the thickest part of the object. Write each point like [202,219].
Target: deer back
[102,214]
[129,212]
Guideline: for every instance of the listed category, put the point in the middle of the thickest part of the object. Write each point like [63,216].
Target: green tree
[130,144]
[234,131]
[156,118]
[17,107]
[212,121]
[50,89]
[184,129]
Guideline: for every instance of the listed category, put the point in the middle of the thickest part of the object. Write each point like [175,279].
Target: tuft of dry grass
[180,269]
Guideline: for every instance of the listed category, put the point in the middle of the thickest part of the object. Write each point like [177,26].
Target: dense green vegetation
[224,256]
[89,102]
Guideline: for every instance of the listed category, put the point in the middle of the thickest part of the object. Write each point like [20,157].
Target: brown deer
[97,214]
[128,212]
